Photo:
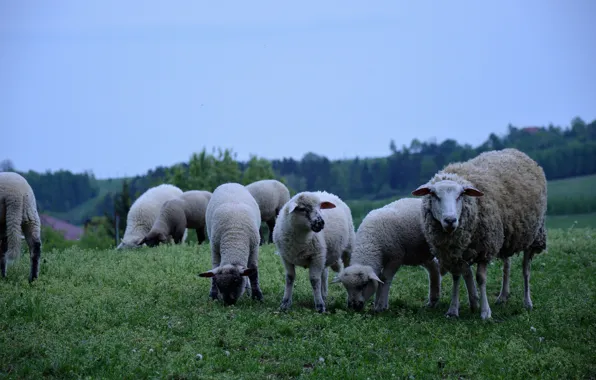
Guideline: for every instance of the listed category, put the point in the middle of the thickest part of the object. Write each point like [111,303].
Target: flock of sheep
[492,206]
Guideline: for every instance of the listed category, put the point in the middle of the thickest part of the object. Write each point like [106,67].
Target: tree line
[562,152]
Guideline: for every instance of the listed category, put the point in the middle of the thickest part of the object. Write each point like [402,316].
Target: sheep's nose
[318,225]
[450,220]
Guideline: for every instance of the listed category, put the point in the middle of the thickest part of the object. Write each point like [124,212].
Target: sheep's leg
[471,288]
[286,301]
[256,292]
[481,279]
[526,266]
[324,279]
[271,225]
[454,306]
[3,250]
[315,275]
[200,235]
[504,295]
[262,239]
[382,296]
[215,260]
[434,279]
[32,235]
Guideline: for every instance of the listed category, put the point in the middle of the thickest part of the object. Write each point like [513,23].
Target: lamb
[492,206]
[233,220]
[144,211]
[270,195]
[388,238]
[314,230]
[18,214]
[178,214]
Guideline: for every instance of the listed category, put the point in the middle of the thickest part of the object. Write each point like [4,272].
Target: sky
[119,88]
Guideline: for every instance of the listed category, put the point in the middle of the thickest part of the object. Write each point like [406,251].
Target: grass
[571,221]
[146,314]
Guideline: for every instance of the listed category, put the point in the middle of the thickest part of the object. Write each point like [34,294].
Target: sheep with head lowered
[270,195]
[144,212]
[492,206]
[314,230]
[18,214]
[233,220]
[387,238]
[176,215]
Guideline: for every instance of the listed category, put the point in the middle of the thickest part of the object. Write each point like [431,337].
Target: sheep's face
[230,281]
[360,282]
[306,212]
[446,199]
[154,239]
[128,244]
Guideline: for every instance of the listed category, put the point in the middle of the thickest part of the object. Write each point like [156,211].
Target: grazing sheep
[491,206]
[388,238]
[144,211]
[314,230]
[18,214]
[178,214]
[270,195]
[233,220]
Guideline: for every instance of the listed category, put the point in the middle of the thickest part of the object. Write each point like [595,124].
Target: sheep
[18,214]
[233,220]
[387,238]
[491,206]
[144,211]
[270,195]
[314,230]
[178,214]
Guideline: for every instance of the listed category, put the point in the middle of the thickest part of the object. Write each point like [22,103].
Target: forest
[563,152]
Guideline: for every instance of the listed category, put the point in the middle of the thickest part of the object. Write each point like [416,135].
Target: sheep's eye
[434,195]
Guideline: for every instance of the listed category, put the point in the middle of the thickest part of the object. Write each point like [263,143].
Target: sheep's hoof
[452,313]
[502,299]
[285,304]
[432,303]
[528,305]
[320,308]
[257,295]
[485,314]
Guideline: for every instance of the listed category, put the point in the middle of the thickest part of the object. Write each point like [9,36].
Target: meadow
[146,314]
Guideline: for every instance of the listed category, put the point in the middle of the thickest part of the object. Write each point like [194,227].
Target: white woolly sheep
[233,220]
[387,238]
[270,195]
[144,211]
[18,214]
[315,231]
[178,214]
[492,206]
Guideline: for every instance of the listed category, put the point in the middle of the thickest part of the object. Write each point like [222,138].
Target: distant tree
[257,169]
[6,165]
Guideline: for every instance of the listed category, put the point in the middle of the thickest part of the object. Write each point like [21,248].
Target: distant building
[70,231]
[532,129]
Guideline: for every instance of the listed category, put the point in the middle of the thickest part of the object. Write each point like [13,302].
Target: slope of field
[146,314]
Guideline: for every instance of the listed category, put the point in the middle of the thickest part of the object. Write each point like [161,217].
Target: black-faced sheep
[144,211]
[314,230]
[270,195]
[178,214]
[492,206]
[388,238]
[18,213]
[233,220]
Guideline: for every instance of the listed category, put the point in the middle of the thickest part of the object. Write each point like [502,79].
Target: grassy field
[146,314]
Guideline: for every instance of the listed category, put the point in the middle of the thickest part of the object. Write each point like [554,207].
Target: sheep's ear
[336,279]
[248,271]
[471,191]
[209,273]
[373,276]
[326,205]
[422,190]
[291,206]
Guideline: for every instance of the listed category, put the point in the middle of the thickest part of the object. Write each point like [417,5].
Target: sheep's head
[306,211]
[361,283]
[230,281]
[154,238]
[446,198]
[130,243]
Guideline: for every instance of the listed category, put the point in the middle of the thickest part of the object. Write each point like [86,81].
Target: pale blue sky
[119,87]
